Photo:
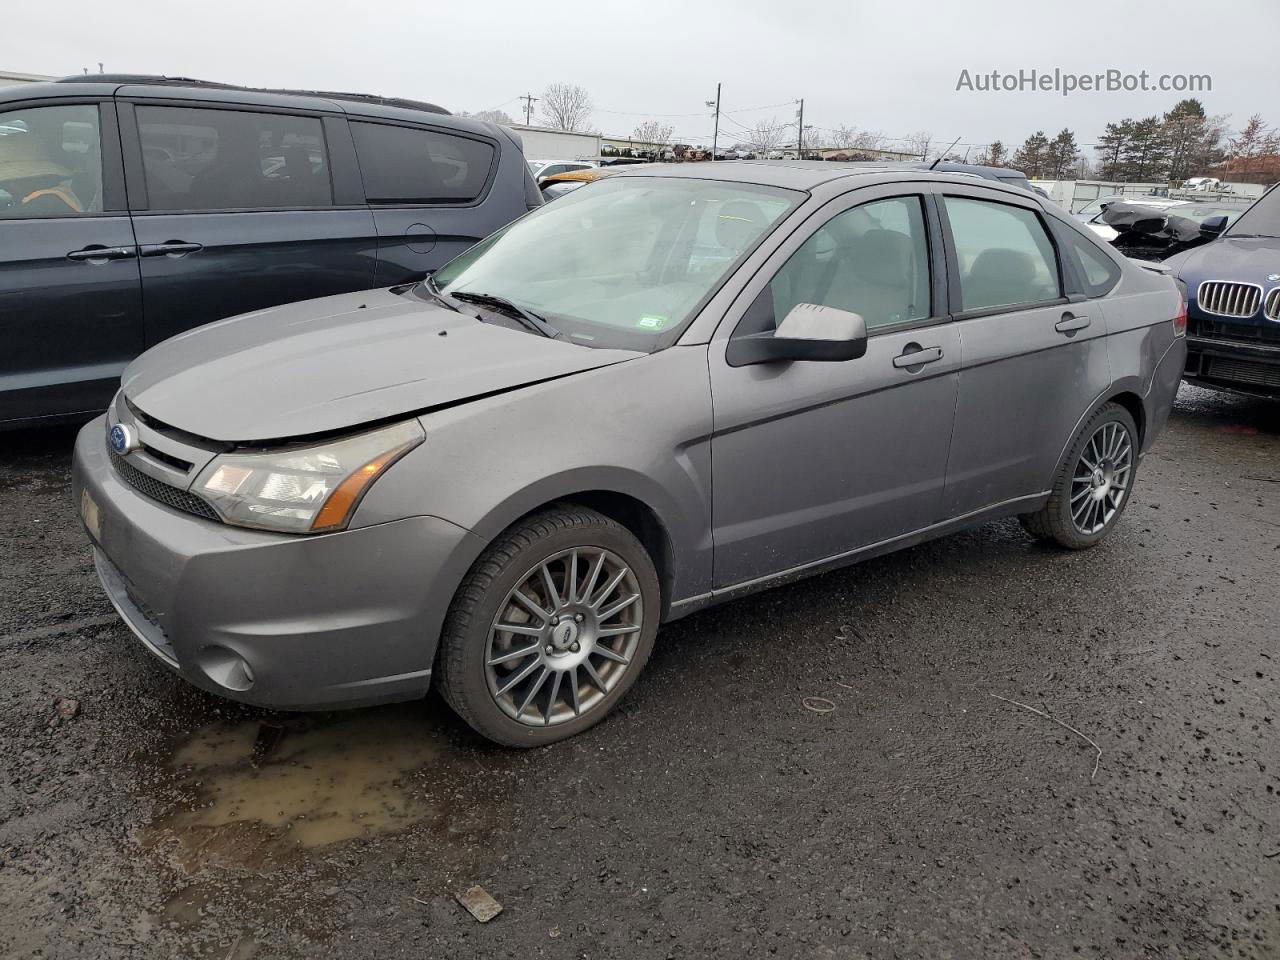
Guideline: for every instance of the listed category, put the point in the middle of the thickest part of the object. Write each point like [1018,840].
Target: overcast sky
[886,66]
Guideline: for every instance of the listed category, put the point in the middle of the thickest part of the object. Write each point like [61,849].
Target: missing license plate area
[91,515]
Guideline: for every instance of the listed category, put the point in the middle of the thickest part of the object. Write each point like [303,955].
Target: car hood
[338,362]
[1249,259]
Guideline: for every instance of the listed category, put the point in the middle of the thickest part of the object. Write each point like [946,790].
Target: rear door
[70,301]
[1035,355]
[241,206]
[428,188]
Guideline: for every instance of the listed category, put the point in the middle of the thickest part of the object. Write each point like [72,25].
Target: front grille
[170,496]
[1228,299]
[1273,304]
[1241,371]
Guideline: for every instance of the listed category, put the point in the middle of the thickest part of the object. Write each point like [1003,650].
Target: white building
[546,143]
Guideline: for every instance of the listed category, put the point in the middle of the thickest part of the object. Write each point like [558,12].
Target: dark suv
[134,208]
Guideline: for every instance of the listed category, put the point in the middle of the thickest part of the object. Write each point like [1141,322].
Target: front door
[1035,354]
[812,460]
[237,209]
[70,302]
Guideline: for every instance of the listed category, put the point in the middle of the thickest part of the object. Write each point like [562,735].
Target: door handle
[1071,322]
[96,253]
[918,358]
[170,248]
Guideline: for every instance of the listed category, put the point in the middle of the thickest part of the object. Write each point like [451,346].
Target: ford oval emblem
[123,439]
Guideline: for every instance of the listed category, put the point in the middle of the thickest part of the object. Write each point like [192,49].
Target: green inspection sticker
[651,323]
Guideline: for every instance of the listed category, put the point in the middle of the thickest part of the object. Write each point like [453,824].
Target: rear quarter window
[412,165]
[1098,272]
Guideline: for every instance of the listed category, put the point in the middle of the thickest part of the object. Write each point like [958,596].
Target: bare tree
[566,106]
[651,133]
[490,116]
[868,140]
[919,144]
[766,136]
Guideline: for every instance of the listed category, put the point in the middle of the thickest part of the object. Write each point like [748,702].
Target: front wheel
[1093,484]
[550,628]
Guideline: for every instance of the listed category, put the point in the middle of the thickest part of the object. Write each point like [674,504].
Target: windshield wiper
[527,317]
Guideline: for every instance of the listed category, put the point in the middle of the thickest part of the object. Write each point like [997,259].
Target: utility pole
[529,100]
[715,133]
[800,129]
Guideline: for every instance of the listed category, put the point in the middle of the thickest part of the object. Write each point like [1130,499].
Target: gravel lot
[714,814]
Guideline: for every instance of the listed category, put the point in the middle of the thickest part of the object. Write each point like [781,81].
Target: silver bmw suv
[673,387]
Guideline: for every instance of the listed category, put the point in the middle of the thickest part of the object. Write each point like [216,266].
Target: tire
[597,653]
[1084,521]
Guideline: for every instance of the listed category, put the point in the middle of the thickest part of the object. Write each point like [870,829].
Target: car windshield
[1260,220]
[625,262]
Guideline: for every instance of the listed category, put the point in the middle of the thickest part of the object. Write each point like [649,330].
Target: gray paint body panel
[755,475]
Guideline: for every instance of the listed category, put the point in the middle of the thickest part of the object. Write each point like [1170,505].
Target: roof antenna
[938,159]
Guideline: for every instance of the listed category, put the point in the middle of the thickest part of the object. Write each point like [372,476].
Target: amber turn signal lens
[342,502]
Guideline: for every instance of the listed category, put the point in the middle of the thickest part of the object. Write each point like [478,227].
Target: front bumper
[1245,364]
[290,622]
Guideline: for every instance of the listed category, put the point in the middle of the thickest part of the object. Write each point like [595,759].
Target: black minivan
[134,208]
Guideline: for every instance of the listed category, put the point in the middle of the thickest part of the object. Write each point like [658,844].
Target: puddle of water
[308,784]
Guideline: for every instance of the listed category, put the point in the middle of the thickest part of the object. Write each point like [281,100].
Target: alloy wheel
[564,636]
[1100,481]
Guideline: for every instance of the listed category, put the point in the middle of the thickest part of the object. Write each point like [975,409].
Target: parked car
[549,168]
[557,185]
[1090,211]
[1233,286]
[500,480]
[1010,178]
[135,208]
[1147,231]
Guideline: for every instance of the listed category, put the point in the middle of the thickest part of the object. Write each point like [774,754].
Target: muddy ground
[715,814]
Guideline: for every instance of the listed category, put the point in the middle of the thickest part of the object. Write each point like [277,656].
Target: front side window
[202,159]
[50,162]
[625,260]
[872,260]
[1005,256]
[410,165]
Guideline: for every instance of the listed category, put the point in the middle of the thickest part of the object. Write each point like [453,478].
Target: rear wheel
[1093,484]
[550,628]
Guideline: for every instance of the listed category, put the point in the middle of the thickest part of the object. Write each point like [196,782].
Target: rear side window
[1098,272]
[200,159]
[410,165]
[50,162]
[1005,256]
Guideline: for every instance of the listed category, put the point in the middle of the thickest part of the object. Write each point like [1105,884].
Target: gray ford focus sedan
[670,388]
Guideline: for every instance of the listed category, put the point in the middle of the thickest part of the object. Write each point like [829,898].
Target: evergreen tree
[1062,155]
[995,155]
[1032,156]
[1111,148]
[1146,156]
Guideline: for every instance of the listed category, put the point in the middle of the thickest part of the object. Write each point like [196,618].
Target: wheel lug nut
[550,648]
[578,618]
[575,648]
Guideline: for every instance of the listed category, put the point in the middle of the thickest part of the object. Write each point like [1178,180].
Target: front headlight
[307,489]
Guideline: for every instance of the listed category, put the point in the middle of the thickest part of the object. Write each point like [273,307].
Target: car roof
[105,84]
[807,174]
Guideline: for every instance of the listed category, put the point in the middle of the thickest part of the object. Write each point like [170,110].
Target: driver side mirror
[808,332]
[1213,226]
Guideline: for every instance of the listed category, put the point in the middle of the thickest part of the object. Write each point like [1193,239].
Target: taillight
[1180,321]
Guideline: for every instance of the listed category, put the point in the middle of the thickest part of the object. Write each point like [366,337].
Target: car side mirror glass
[809,331]
[1213,226]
